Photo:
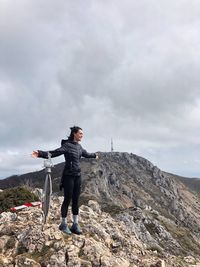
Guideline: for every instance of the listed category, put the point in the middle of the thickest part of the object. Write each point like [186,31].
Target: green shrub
[15,197]
[184,237]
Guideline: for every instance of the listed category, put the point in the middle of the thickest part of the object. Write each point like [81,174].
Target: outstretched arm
[85,154]
[54,153]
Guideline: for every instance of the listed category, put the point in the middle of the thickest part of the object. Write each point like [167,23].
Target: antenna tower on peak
[112,149]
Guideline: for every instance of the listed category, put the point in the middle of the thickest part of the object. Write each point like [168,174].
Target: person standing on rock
[71,177]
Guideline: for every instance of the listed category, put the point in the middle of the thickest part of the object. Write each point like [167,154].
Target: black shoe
[64,228]
[76,229]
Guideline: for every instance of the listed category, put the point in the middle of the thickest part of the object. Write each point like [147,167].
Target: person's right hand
[34,154]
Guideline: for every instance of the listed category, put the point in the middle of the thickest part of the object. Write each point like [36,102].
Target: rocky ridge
[106,241]
[152,210]
[123,183]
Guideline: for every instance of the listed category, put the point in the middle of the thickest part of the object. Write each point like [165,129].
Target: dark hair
[74,130]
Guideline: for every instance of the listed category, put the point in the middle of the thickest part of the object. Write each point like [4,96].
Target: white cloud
[124,70]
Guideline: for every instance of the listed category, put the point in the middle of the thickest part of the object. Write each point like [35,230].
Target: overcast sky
[123,69]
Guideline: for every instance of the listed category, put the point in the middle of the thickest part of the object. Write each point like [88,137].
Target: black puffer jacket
[72,151]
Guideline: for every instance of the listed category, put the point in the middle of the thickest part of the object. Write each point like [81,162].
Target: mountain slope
[192,183]
[156,206]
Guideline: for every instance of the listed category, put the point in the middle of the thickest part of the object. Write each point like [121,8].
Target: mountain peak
[156,207]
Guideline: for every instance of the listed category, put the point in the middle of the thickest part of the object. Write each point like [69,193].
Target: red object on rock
[26,205]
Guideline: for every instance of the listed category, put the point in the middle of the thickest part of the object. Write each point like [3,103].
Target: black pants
[72,190]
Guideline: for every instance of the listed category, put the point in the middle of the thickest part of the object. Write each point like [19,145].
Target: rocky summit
[105,241]
[131,214]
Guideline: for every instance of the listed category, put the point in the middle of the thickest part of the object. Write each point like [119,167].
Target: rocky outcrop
[123,180]
[124,241]
[136,212]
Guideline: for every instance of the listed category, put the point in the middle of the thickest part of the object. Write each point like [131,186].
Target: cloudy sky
[123,69]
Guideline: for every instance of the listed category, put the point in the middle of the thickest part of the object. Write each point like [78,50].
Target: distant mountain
[164,212]
[34,179]
[192,183]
